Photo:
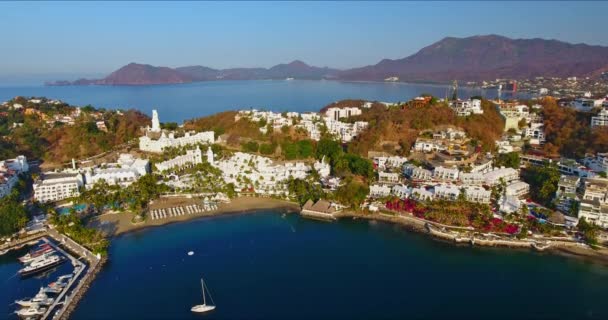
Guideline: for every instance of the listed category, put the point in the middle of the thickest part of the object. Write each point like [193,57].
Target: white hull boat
[202,308]
[39,299]
[31,311]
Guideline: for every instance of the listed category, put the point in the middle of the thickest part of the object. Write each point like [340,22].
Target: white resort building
[323,168]
[601,120]
[52,187]
[191,158]
[311,122]
[259,174]
[448,174]
[339,113]
[389,177]
[148,144]
[124,172]
[9,173]
[379,191]
[517,189]
[507,175]
[467,107]
[471,193]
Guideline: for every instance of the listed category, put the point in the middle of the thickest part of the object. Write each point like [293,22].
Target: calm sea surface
[186,101]
[268,266]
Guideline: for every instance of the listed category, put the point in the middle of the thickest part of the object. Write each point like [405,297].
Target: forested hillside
[395,129]
[569,132]
[57,132]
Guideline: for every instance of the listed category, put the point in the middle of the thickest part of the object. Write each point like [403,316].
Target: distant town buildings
[586,104]
[340,113]
[513,113]
[465,108]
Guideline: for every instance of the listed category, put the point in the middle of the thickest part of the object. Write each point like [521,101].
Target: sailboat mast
[203,285]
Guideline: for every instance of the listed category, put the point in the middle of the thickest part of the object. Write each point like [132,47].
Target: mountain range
[467,59]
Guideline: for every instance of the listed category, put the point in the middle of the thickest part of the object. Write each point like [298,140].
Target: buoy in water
[190,253]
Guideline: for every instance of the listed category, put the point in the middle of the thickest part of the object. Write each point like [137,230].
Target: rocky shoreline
[566,249]
[83,288]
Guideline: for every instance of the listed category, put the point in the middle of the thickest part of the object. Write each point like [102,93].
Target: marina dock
[86,266]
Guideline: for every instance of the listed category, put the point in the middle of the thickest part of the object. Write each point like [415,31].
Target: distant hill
[486,58]
[143,74]
[135,74]
[472,59]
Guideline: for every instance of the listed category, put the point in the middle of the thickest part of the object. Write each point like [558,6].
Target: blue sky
[99,37]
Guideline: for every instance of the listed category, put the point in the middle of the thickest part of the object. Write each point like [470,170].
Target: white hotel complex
[52,187]
[148,144]
[191,158]
[124,172]
[311,122]
[260,174]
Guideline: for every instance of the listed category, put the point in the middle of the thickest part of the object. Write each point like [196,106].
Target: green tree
[329,148]
[305,149]
[509,160]
[543,182]
[589,230]
[352,193]
[290,150]
[12,215]
[304,190]
[250,146]
[267,148]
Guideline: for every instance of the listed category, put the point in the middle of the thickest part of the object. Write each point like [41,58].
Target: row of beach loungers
[180,211]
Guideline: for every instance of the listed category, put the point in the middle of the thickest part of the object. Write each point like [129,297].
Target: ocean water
[185,101]
[268,266]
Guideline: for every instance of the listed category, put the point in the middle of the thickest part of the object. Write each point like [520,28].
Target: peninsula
[474,170]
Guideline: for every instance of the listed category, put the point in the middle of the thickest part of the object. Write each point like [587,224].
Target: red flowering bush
[407,205]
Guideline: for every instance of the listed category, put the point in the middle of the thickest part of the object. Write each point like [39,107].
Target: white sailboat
[201,308]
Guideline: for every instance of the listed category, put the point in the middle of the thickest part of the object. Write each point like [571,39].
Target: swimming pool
[66,210]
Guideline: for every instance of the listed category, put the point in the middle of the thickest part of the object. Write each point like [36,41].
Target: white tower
[210,156]
[198,155]
[155,122]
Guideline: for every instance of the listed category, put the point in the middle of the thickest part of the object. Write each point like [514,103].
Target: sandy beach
[118,223]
